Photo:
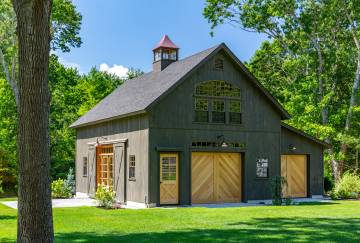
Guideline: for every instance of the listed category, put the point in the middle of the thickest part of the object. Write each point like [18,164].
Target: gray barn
[197,130]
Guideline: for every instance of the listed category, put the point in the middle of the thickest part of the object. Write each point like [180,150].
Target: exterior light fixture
[97,139]
[222,143]
[292,147]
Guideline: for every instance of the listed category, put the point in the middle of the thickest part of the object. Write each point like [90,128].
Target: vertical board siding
[171,125]
[314,154]
[135,129]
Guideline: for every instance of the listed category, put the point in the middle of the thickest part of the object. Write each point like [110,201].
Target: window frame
[267,167]
[211,98]
[132,166]
[85,162]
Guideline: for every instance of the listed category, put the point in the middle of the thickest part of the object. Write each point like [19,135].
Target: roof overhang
[306,135]
[74,125]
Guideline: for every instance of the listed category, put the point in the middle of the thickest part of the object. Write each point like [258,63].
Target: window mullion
[226,111]
[210,109]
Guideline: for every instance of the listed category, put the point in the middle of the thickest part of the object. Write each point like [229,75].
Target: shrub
[59,189]
[328,183]
[277,183]
[70,181]
[288,201]
[348,187]
[1,189]
[105,196]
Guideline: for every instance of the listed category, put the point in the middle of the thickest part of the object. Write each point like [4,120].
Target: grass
[313,222]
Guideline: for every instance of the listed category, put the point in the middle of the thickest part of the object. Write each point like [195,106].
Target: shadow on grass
[256,230]
[7,217]
[317,203]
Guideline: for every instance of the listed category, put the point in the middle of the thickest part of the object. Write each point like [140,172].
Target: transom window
[217,101]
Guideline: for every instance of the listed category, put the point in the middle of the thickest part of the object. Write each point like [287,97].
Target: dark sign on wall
[262,168]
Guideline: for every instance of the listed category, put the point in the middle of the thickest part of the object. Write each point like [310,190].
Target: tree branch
[10,80]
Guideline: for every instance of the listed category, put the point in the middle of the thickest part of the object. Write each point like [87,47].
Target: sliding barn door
[216,177]
[294,170]
[92,171]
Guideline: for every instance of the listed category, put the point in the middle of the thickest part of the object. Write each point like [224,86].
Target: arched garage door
[216,177]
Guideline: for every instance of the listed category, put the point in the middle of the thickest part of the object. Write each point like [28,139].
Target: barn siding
[135,129]
[171,125]
[315,158]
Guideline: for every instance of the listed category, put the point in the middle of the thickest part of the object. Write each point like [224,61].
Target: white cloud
[117,70]
[69,64]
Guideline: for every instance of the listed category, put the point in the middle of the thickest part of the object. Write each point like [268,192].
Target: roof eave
[306,135]
[75,126]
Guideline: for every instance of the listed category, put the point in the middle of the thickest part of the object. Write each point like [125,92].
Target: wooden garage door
[293,168]
[216,177]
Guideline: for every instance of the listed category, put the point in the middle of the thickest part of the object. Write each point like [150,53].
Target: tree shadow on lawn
[256,230]
[7,217]
[316,203]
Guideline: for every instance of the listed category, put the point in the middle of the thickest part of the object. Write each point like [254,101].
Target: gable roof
[137,95]
[306,135]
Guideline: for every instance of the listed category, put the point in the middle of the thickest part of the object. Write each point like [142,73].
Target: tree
[35,222]
[65,27]
[310,57]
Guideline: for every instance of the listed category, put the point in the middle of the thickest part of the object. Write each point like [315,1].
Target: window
[234,112]
[218,111]
[85,166]
[131,167]
[157,56]
[219,64]
[262,168]
[168,168]
[201,110]
[217,102]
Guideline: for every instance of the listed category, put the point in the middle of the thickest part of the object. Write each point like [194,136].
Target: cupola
[165,53]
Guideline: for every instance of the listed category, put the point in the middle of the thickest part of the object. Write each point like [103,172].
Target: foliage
[65,25]
[105,196]
[328,184]
[70,181]
[72,95]
[348,187]
[309,63]
[277,183]
[288,201]
[1,189]
[60,189]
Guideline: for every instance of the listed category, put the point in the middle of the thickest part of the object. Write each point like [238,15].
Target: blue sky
[123,33]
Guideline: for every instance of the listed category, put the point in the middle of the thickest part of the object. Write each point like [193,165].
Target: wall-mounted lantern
[292,147]
[97,140]
[222,142]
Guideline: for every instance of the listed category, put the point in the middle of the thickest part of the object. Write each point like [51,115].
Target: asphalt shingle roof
[135,95]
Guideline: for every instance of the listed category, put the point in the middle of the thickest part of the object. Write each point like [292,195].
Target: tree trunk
[34,209]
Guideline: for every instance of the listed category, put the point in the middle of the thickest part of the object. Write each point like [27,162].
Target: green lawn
[338,221]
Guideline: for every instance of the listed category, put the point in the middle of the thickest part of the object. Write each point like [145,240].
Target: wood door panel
[169,184]
[294,170]
[216,177]
[227,177]
[202,178]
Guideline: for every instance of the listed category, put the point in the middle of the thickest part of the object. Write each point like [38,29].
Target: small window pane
[85,166]
[234,106]
[218,114]
[262,168]
[132,166]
